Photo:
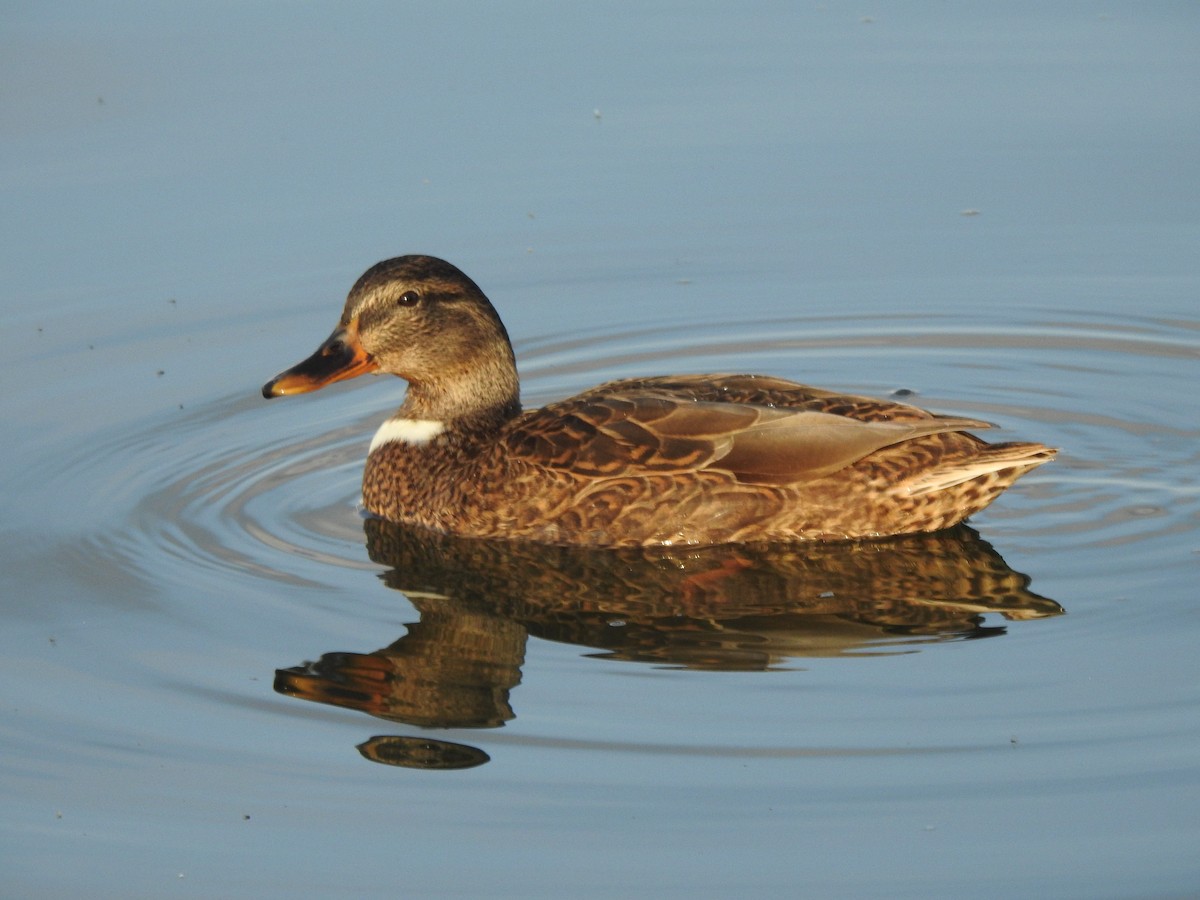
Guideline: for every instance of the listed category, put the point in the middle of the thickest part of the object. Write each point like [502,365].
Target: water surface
[221,680]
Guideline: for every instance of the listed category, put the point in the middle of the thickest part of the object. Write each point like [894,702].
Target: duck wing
[763,390]
[644,432]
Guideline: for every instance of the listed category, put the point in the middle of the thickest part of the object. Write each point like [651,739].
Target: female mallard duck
[687,459]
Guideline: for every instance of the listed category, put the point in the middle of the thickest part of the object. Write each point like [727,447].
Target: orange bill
[339,358]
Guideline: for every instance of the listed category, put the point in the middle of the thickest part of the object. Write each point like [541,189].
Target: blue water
[993,207]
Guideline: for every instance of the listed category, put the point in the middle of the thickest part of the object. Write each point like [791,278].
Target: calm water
[220,680]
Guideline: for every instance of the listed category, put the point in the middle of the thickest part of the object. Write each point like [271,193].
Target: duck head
[422,319]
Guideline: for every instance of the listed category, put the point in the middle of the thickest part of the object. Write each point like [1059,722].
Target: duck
[637,462]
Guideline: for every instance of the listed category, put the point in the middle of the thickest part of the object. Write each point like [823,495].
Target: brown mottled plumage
[689,459]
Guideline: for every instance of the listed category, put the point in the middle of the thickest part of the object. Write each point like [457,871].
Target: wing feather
[628,431]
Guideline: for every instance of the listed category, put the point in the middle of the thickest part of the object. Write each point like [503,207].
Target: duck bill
[339,358]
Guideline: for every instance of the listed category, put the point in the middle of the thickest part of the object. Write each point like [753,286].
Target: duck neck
[480,404]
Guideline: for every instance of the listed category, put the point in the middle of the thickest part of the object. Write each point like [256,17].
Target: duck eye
[408,298]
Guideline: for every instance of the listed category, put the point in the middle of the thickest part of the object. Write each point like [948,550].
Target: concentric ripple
[272,490]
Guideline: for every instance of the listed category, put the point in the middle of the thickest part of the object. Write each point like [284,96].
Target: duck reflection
[743,607]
